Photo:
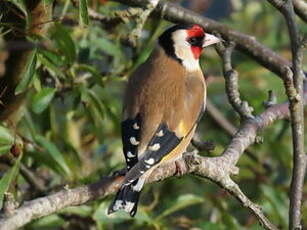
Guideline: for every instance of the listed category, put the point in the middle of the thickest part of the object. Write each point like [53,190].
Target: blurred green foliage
[69,129]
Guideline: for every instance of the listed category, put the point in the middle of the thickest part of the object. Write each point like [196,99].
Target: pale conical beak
[210,40]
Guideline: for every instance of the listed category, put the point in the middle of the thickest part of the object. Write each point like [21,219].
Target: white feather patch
[133,141]
[129,206]
[135,126]
[118,205]
[160,133]
[183,51]
[154,147]
[139,185]
[150,161]
[130,155]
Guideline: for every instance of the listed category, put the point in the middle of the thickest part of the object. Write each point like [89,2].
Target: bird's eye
[196,41]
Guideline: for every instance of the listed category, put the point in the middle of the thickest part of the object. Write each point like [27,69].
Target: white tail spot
[135,126]
[160,133]
[150,161]
[133,141]
[154,147]
[130,155]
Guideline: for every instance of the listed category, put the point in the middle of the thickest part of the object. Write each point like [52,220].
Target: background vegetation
[68,131]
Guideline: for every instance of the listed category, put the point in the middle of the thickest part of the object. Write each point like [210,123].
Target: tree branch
[216,169]
[300,8]
[293,81]
[245,43]
[231,83]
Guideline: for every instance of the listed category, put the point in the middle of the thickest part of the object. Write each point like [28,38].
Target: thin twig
[293,81]
[231,82]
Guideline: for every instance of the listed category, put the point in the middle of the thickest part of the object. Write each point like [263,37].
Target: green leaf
[83,12]
[41,100]
[94,100]
[51,67]
[22,6]
[52,56]
[27,73]
[7,179]
[109,47]
[181,202]
[6,136]
[54,153]
[6,140]
[65,43]
[92,70]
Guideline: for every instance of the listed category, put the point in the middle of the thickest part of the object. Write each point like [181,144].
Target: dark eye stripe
[196,41]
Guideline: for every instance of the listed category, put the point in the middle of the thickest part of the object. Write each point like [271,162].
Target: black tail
[127,198]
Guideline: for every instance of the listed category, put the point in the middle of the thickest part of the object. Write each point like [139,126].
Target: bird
[163,103]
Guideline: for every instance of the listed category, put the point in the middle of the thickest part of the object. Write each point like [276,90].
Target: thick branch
[215,169]
[293,81]
[300,8]
[245,43]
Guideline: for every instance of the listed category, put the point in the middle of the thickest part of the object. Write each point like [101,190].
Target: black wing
[163,142]
[130,139]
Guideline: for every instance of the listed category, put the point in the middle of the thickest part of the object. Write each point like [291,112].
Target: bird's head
[185,43]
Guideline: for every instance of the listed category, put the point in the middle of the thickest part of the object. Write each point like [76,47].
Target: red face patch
[196,50]
[196,31]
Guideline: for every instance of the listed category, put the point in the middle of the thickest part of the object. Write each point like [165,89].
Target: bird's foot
[180,168]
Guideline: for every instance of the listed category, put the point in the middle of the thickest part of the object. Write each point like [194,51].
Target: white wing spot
[141,171]
[130,154]
[150,161]
[147,166]
[128,159]
[135,126]
[154,147]
[160,133]
[139,185]
[129,206]
[118,205]
[133,141]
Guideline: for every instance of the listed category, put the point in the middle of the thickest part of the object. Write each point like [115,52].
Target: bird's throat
[196,50]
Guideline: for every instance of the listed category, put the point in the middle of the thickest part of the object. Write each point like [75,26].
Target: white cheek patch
[183,51]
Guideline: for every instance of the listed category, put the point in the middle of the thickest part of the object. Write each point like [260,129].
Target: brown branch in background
[231,83]
[217,169]
[231,130]
[36,182]
[140,21]
[207,146]
[300,8]
[244,43]
[220,119]
[293,81]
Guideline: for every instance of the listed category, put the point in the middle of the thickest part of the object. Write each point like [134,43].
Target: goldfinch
[163,102]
